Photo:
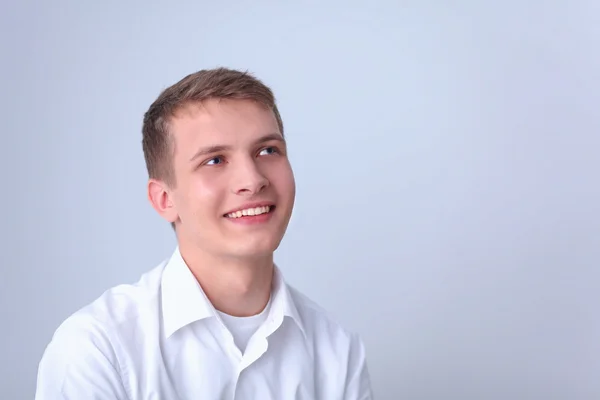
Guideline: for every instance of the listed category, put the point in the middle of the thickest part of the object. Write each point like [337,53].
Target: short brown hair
[219,83]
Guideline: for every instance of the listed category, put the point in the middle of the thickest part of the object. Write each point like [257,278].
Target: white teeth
[249,212]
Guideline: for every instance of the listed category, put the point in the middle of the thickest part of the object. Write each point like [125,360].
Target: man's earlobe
[160,198]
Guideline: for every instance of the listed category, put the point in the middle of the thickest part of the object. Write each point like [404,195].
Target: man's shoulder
[120,305]
[89,344]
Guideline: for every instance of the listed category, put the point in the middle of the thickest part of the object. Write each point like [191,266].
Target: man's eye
[268,151]
[214,161]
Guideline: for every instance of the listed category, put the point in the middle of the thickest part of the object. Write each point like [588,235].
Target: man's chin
[252,254]
[254,250]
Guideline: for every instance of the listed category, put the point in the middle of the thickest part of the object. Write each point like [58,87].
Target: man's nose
[249,179]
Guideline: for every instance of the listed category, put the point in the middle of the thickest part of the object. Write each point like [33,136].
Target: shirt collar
[283,304]
[184,301]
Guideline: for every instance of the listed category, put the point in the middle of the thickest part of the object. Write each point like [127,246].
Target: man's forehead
[194,128]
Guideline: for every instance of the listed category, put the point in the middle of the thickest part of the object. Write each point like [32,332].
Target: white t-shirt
[242,328]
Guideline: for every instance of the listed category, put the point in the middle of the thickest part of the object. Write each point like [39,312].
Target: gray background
[446,155]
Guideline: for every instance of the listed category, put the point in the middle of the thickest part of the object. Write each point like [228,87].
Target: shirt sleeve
[358,386]
[79,363]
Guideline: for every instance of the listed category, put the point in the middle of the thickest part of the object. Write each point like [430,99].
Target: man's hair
[220,83]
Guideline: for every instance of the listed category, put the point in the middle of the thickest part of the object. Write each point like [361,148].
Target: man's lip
[251,205]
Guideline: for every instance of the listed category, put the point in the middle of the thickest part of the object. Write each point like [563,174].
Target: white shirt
[161,339]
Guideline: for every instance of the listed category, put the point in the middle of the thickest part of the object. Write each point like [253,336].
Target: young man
[216,320]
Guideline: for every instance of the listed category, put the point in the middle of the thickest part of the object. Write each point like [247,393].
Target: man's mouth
[250,212]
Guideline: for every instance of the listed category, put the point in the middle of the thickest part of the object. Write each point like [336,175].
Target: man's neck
[238,287]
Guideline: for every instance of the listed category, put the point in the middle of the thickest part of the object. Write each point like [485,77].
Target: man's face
[235,188]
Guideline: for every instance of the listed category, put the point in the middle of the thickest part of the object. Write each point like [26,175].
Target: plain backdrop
[446,156]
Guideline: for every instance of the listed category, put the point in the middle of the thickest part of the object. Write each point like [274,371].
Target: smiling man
[216,320]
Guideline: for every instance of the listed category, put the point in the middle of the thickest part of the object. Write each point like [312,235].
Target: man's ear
[161,199]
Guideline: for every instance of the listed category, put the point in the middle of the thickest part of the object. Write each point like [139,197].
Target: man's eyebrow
[270,137]
[204,151]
